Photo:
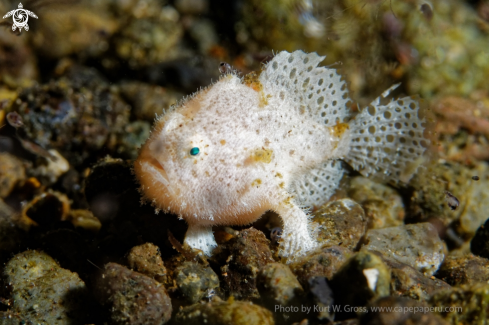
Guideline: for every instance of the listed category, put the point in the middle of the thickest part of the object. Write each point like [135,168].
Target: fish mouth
[156,170]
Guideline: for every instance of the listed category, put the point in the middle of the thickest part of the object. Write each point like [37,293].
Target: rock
[146,259]
[43,292]
[88,27]
[10,233]
[12,172]
[47,209]
[150,41]
[417,245]
[429,200]
[409,282]
[460,122]
[194,7]
[109,189]
[382,204]
[195,281]
[75,121]
[341,223]
[408,312]
[204,34]
[467,269]
[242,258]
[362,278]
[148,100]
[325,262]
[323,297]
[224,313]
[81,218]
[352,321]
[132,298]
[134,136]
[479,245]
[53,168]
[279,283]
[19,62]
[467,304]
[10,318]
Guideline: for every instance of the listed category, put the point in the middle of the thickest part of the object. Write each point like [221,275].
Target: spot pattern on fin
[319,184]
[387,139]
[319,92]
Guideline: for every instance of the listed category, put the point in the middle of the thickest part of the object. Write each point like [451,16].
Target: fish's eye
[194,151]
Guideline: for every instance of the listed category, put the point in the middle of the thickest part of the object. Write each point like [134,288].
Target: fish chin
[158,172]
[154,179]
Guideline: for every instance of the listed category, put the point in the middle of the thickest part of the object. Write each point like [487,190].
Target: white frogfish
[271,141]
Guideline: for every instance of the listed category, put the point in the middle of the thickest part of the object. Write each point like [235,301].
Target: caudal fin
[387,140]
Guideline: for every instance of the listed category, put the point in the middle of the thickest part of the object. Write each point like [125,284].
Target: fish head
[190,165]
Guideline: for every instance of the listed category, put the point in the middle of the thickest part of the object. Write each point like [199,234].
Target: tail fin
[386,140]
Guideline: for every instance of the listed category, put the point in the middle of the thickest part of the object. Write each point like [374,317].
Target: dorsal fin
[316,91]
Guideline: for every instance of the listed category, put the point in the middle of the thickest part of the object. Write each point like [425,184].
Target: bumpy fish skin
[271,143]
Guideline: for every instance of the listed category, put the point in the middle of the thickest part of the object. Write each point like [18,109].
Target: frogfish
[273,140]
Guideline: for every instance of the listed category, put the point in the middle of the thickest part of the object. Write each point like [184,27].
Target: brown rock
[467,269]
[341,223]
[242,258]
[405,312]
[382,204]
[195,281]
[146,259]
[134,298]
[409,282]
[279,283]
[12,172]
[417,245]
[362,278]
[43,292]
[325,262]
[224,313]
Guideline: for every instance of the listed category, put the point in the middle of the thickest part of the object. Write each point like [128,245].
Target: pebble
[223,313]
[195,281]
[82,218]
[467,304]
[382,204]
[12,172]
[409,282]
[324,263]
[279,283]
[406,317]
[55,166]
[417,245]
[10,232]
[133,298]
[323,297]
[242,258]
[146,259]
[43,292]
[466,269]
[47,209]
[479,245]
[194,7]
[341,223]
[362,278]
[147,100]
[429,199]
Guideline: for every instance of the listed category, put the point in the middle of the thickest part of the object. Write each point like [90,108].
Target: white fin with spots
[387,139]
[316,91]
[318,185]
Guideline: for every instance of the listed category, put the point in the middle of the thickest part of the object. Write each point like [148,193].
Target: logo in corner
[20,17]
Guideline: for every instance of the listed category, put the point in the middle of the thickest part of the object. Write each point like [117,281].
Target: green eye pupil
[194,151]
